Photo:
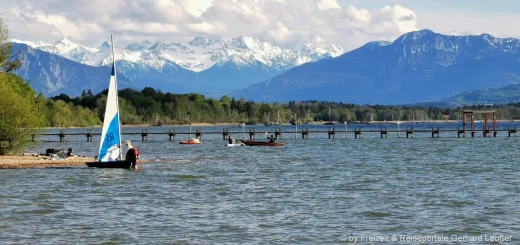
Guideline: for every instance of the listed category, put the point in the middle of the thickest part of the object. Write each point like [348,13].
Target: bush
[19,114]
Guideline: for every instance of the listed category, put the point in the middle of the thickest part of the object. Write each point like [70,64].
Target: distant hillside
[52,75]
[419,66]
[504,95]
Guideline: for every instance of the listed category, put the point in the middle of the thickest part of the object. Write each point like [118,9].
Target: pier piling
[62,136]
[409,132]
[305,133]
[171,134]
[89,135]
[198,134]
[357,133]
[278,134]
[435,132]
[252,134]
[225,133]
[144,134]
[384,132]
[332,133]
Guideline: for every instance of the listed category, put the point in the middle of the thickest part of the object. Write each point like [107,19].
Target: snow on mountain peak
[32,44]
[244,42]
[335,50]
[200,41]
[65,45]
[106,44]
[139,46]
[197,55]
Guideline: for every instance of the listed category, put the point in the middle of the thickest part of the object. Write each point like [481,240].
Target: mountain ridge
[209,66]
[52,75]
[208,51]
[417,67]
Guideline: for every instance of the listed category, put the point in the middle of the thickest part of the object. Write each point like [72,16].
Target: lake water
[315,191]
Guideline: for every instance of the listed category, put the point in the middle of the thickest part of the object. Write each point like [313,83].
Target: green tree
[19,115]
[7,62]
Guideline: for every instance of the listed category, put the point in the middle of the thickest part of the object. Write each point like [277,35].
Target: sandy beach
[31,161]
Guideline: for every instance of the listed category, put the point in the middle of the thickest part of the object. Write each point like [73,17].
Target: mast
[117,96]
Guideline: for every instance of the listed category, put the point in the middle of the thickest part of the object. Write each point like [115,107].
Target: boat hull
[235,144]
[114,164]
[261,143]
[189,142]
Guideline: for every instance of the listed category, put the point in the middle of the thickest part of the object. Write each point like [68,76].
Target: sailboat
[308,120]
[278,123]
[110,152]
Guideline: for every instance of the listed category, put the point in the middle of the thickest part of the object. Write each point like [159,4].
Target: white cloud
[471,23]
[283,22]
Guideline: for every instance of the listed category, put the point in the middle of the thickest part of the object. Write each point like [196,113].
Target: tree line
[150,106]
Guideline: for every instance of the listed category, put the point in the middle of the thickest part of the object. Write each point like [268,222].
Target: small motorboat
[191,141]
[261,143]
[235,144]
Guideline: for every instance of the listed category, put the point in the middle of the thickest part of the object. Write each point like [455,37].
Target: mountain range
[420,66]
[53,75]
[417,67]
[210,66]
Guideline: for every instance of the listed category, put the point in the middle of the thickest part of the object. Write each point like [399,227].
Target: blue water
[315,191]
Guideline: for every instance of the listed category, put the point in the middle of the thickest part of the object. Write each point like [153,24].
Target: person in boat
[131,154]
[69,152]
[271,139]
[231,140]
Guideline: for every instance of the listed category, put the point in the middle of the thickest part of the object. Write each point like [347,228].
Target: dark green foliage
[154,107]
[21,112]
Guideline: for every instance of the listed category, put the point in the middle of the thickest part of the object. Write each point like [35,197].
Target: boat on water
[277,123]
[110,152]
[261,143]
[235,144]
[192,141]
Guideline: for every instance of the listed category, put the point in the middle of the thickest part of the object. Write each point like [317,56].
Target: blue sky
[286,23]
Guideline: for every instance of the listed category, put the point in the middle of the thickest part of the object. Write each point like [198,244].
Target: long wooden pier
[358,132]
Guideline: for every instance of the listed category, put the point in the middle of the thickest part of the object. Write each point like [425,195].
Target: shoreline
[288,124]
[39,161]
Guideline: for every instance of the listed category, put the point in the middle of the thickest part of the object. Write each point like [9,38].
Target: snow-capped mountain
[418,66]
[52,74]
[197,55]
[210,66]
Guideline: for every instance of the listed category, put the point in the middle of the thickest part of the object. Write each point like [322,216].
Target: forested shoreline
[150,106]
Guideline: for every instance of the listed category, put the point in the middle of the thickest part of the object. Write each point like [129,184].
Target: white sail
[110,145]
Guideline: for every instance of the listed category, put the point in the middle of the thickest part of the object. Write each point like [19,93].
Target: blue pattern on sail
[110,148]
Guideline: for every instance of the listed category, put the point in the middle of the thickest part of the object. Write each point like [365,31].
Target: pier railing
[304,133]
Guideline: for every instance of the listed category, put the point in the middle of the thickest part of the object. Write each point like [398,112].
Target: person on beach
[132,155]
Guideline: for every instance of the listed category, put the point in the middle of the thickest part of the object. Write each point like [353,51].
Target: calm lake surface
[315,191]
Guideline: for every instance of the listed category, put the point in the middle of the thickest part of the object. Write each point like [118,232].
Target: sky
[286,23]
